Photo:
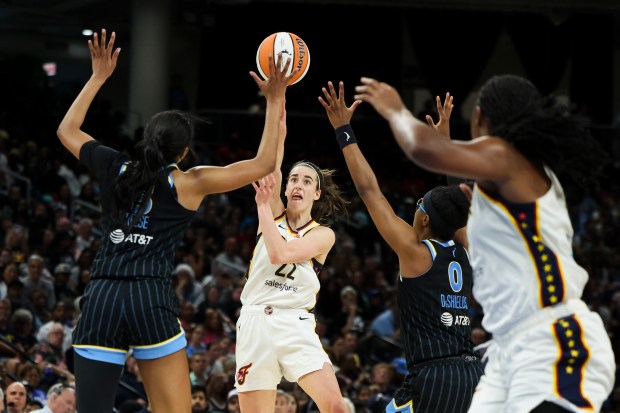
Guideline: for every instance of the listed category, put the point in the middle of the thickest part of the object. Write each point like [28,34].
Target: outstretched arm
[277,206]
[391,227]
[485,158]
[315,244]
[444,111]
[211,179]
[443,127]
[104,58]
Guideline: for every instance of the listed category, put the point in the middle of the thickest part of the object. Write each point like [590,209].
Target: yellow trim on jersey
[181,333]
[110,349]
[516,225]
[408,404]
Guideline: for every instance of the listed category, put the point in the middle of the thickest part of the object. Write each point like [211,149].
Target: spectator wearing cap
[232,403]
[62,275]
[377,403]
[188,290]
[35,279]
[60,399]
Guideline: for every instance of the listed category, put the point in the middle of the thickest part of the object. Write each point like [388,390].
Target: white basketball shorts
[562,355]
[273,343]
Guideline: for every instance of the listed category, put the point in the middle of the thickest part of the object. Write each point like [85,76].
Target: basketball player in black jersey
[147,204]
[435,280]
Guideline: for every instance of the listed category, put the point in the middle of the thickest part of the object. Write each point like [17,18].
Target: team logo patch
[447,319]
[242,373]
[117,236]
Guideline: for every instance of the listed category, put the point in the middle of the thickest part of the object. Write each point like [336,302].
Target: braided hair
[165,138]
[541,128]
[331,205]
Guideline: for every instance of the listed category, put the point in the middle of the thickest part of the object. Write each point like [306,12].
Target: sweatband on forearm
[345,136]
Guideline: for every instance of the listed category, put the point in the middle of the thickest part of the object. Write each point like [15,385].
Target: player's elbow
[277,258]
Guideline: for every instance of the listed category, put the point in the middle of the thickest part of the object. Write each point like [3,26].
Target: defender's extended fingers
[327,95]
[111,42]
[95,42]
[103,38]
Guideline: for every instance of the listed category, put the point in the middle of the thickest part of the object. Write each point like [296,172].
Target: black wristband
[345,135]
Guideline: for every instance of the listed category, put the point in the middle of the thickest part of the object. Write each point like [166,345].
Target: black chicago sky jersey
[434,306]
[149,247]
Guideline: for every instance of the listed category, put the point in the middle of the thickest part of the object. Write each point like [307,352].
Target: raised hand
[337,111]
[383,97]
[445,111]
[103,56]
[264,189]
[278,79]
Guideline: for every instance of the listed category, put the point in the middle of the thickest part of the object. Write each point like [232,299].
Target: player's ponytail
[165,138]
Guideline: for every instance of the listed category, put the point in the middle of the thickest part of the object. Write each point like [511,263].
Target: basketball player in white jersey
[549,352]
[276,328]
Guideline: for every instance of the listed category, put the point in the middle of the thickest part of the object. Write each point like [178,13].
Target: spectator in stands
[59,315]
[229,259]
[30,375]
[36,279]
[217,392]
[198,366]
[199,400]
[9,274]
[15,397]
[60,399]
[232,403]
[51,355]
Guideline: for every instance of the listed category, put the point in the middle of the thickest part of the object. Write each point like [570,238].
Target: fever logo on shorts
[242,373]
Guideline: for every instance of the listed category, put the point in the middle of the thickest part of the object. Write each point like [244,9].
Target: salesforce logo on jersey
[117,236]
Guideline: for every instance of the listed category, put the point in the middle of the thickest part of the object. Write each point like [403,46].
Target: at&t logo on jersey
[448,320]
[117,236]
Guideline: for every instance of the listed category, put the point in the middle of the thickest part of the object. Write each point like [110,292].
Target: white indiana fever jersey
[293,285]
[522,256]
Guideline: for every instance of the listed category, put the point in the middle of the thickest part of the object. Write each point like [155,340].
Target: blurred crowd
[50,231]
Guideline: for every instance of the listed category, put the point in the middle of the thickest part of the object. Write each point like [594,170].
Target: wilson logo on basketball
[242,373]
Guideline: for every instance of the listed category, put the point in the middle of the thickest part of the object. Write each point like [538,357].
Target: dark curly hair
[541,128]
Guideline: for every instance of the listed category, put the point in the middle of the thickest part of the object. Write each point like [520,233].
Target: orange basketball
[291,46]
